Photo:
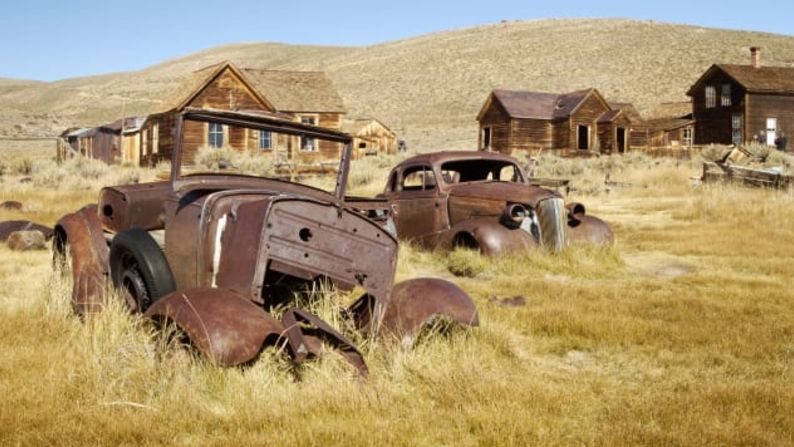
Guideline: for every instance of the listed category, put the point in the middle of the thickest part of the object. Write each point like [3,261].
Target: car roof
[445,156]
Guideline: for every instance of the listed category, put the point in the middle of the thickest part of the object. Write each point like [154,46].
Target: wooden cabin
[370,137]
[738,104]
[308,97]
[584,121]
[97,143]
[670,125]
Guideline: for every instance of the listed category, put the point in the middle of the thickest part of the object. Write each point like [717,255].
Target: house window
[711,97]
[725,100]
[687,137]
[156,138]
[265,140]
[215,135]
[486,137]
[737,135]
[308,143]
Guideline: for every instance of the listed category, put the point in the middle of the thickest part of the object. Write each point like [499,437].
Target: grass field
[680,334]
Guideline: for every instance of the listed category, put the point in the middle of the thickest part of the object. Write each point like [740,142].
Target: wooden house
[97,143]
[737,104]
[308,97]
[670,125]
[370,137]
[528,121]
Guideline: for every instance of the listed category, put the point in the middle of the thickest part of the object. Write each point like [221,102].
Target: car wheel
[139,270]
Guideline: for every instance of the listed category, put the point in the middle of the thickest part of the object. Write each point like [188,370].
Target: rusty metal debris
[485,201]
[11,226]
[717,172]
[26,240]
[11,205]
[215,253]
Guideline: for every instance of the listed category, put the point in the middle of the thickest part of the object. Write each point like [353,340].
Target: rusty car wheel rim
[133,285]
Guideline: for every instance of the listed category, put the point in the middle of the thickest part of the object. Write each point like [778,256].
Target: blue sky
[57,39]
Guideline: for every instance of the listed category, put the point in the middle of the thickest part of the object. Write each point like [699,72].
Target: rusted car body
[214,253]
[483,200]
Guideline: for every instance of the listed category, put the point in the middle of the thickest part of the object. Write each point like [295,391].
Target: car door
[418,209]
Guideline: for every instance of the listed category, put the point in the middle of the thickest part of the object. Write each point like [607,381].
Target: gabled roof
[755,80]
[198,81]
[538,105]
[629,110]
[296,91]
[609,116]
[282,91]
[354,127]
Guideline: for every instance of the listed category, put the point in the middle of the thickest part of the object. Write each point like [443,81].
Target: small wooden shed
[670,125]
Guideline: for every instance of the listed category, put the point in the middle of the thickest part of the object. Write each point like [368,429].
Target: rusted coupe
[483,200]
[215,253]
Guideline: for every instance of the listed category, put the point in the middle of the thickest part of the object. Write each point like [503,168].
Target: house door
[583,138]
[621,140]
[771,131]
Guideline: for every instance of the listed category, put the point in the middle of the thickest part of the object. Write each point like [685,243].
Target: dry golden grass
[681,334]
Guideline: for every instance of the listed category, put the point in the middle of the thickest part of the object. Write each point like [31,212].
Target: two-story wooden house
[308,97]
[528,121]
[738,104]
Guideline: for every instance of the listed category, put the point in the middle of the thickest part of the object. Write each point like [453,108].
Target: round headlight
[514,214]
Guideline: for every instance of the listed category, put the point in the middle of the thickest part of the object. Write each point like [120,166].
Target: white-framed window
[737,136]
[265,140]
[486,137]
[215,135]
[688,136]
[711,97]
[156,138]
[725,98]
[309,144]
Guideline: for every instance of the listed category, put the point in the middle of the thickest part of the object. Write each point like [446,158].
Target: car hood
[503,191]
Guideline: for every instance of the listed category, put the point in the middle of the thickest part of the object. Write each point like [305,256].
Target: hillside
[428,88]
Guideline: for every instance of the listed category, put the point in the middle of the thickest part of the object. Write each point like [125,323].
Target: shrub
[22,166]
[466,262]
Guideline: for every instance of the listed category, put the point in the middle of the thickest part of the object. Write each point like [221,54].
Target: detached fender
[82,232]
[415,303]
[224,326]
[589,229]
[491,236]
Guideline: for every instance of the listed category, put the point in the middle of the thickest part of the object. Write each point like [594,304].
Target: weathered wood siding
[562,135]
[530,135]
[499,121]
[760,107]
[227,92]
[714,125]
[587,115]
[374,138]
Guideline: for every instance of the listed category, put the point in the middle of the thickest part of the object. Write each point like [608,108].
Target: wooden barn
[308,97]
[370,137]
[670,125]
[579,121]
[737,104]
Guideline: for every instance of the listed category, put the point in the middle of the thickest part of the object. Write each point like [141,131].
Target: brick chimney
[755,57]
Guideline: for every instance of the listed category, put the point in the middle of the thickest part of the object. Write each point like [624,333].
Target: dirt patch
[658,264]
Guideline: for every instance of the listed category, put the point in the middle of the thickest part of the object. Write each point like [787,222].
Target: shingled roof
[755,80]
[284,91]
[629,110]
[537,105]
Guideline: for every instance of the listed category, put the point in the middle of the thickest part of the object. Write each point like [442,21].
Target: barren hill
[428,88]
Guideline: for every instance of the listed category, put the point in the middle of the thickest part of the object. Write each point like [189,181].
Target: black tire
[138,268]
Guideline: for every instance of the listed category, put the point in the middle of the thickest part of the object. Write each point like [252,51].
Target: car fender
[492,237]
[89,255]
[589,229]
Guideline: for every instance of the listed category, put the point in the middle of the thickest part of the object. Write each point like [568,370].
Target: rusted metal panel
[415,304]
[134,206]
[11,226]
[82,231]
[12,205]
[224,326]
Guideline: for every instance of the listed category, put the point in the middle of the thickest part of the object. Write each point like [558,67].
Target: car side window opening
[418,178]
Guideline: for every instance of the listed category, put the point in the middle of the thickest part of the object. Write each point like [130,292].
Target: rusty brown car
[484,201]
[216,252]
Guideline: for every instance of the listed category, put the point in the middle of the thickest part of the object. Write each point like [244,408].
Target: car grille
[552,219]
